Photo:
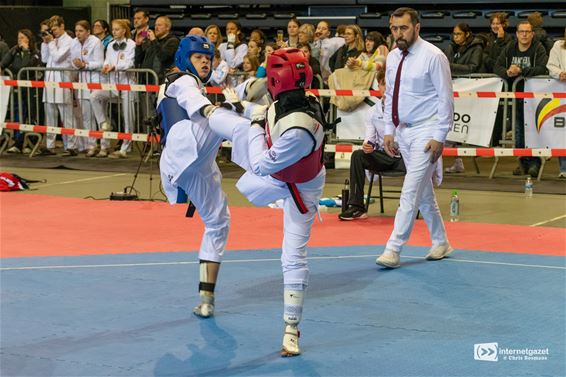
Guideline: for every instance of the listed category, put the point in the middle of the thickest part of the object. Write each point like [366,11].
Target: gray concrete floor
[498,207]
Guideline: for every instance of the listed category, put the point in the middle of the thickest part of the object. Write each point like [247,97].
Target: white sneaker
[118,154]
[204,310]
[562,175]
[91,152]
[14,149]
[457,167]
[439,252]
[106,126]
[103,153]
[389,259]
[290,346]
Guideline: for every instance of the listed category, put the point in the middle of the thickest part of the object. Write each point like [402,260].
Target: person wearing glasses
[526,57]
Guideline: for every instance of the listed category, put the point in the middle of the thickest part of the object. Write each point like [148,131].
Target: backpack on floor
[12,182]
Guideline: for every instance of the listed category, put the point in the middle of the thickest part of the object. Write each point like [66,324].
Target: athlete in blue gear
[188,166]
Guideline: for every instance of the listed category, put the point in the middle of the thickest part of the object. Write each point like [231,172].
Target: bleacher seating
[437,18]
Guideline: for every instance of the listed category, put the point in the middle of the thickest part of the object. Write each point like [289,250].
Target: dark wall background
[13,18]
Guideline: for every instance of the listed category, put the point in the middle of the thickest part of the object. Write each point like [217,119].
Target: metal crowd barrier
[144,104]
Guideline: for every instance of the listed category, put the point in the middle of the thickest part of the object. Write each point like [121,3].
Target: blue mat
[130,315]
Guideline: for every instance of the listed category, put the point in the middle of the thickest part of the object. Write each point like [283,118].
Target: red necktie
[395,104]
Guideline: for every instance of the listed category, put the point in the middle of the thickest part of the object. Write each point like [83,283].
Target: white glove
[231,38]
[230,95]
[257,115]
[206,111]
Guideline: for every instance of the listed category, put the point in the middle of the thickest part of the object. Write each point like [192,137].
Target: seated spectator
[535,19]
[371,157]
[214,35]
[497,39]
[352,48]
[525,58]
[101,30]
[141,26]
[268,50]
[557,69]
[465,51]
[374,55]
[306,34]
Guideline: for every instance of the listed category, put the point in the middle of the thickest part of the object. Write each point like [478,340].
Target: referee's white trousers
[54,111]
[417,192]
[99,99]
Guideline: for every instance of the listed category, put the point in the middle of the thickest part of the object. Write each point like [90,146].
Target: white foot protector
[206,308]
[290,346]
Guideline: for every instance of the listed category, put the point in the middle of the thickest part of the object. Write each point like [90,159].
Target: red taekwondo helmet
[287,69]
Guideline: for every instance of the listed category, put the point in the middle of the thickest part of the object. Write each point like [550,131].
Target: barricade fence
[33,83]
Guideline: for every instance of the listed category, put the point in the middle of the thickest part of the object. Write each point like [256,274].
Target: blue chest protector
[169,113]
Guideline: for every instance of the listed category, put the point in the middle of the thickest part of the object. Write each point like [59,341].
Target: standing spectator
[101,30]
[119,57]
[255,49]
[353,47]
[371,157]
[157,51]
[196,31]
[315,65]
[267,51]
[293,32]
[214,35]
[250,66]
[419,111]
[56,53]
[306,34]
[557,68]
[234,50]
[526,58]
[324,47]
[87,56]
[465,51]
[258,36]
[141,26]
[4,48]
[497,39]
[220,70]
[23,54]
[535,19]
[465,57]
[374,55]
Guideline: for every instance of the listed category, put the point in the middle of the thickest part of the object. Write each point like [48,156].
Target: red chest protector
[309,166]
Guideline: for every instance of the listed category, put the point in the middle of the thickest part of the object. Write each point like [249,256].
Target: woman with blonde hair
[119,57]
[352,48]
[214,34]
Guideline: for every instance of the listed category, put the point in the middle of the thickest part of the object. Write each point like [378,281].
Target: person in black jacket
[497,39]
[352,48]
[314,63]
[526,58]
[23,54]
[465,51]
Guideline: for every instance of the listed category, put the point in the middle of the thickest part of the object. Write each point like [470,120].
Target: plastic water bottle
[529,188]
[454,207]
[345,195]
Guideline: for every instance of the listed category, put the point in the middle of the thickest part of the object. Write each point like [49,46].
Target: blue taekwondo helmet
[189,45]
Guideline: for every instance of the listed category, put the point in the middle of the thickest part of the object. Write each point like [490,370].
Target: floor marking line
[264,260]
[549,221]
[79,180]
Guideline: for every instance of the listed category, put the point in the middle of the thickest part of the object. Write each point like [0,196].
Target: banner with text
[474,118]
[545,117]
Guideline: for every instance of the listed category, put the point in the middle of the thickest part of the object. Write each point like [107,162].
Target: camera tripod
[150,146]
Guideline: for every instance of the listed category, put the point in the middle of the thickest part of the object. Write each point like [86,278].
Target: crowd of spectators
[122,45]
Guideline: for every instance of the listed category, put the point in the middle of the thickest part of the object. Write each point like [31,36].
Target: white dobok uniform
[188,163]
[294,137]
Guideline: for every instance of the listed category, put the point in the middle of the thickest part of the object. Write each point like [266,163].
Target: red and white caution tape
[218,90]
[329,148]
